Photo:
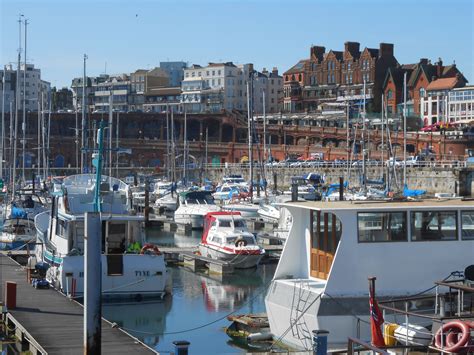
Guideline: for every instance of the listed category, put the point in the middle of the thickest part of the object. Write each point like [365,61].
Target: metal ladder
[299,328]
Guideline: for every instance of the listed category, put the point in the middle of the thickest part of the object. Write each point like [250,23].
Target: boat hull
[142,276]
[239,261]
[195,220]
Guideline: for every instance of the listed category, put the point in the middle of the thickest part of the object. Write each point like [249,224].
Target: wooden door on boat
[325,235]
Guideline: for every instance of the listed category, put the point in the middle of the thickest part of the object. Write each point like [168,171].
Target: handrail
[350,346]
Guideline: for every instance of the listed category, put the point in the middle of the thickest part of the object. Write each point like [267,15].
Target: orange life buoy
[456,335]
[150,247]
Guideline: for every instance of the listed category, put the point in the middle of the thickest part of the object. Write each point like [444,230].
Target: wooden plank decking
[55,322]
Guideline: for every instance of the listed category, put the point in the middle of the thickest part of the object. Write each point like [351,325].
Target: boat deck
[52,323]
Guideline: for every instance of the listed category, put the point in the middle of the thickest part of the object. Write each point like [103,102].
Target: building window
[349,66]
[300,77]
[389,94]
[333,80]
[434,225]
[218,72]
[218,81]
[422,92]
[213,72]
[382,226]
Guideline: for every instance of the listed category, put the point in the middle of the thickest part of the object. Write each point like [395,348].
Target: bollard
[320,342]
[341,188]
[294,192]
[275,182]
[10,294]
[181,347]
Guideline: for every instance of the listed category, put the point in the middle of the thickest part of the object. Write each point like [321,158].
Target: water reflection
[144,320]
[198,305]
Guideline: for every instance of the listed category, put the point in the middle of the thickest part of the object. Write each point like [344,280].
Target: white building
[434,103]
[33,89]
[461,104]
[223,86]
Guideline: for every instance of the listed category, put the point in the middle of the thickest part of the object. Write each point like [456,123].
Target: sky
[120,36]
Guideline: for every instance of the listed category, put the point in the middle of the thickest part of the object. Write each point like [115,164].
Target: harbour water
[197,308]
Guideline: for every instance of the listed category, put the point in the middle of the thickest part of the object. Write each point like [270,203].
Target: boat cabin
[406,245]
[226,228]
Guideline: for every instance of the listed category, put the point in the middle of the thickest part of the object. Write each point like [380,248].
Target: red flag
[376,321]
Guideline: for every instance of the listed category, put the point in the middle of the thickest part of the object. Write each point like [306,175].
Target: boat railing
[448,306]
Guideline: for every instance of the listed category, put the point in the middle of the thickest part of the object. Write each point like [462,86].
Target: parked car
[394,162]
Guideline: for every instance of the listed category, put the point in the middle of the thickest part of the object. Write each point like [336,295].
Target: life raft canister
[456,334]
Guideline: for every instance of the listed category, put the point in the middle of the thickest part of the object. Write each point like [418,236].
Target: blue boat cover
[18,213]
[412,193]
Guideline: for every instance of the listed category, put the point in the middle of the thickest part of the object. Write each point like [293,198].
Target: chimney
[317,52]
[385,50]
[264,71]
[424,61]
[275,71]
[250,67]
[352,47]
[439,67]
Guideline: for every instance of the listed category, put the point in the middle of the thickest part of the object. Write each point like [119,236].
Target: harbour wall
[431,179]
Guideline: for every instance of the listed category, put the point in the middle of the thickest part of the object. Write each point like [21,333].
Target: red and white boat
[227,238]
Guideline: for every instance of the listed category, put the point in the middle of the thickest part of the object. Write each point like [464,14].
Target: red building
[337,75]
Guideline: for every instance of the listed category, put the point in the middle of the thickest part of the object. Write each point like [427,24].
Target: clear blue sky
[135,34]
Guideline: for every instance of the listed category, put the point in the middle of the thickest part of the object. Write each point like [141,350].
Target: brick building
[419,77]
[338,76]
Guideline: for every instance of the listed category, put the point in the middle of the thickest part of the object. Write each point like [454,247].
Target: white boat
[307,192]
[234,180]
[168,202]
[17,233]
[333,247]
[18,226]
[269,213]
[162,188]
[227,238]
[193,206]
[227,191]
[61,233]
[247,210]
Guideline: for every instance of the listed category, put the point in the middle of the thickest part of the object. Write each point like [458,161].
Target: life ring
[456,334]
[240,242]
[151,248]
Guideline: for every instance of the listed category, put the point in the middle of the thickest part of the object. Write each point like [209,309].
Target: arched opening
[59,161]
[192,130]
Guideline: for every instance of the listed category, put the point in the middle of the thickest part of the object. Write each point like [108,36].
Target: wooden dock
[46,322]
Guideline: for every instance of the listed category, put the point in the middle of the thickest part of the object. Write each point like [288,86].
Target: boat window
[248,240]
[239,223]
[382,226]
[62,229]
[326,231]
[224,223]
[467,228]
[216,239]
[434,225]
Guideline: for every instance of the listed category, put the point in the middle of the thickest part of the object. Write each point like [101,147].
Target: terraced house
[338,76]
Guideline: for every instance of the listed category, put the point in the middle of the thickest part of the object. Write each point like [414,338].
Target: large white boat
[227,238]
[321,281]
[61,235]
[193,206]
[306,192]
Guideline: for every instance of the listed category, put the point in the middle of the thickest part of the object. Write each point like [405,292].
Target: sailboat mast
[117,132]
[23,125]
[382,124]
[404,129]
[111,119]
[173,151]
[83,125]
[3,122]
[38,153]
[17,109]
[364,177]
[185,158]
[348,149]
[249,124]
[167,144]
